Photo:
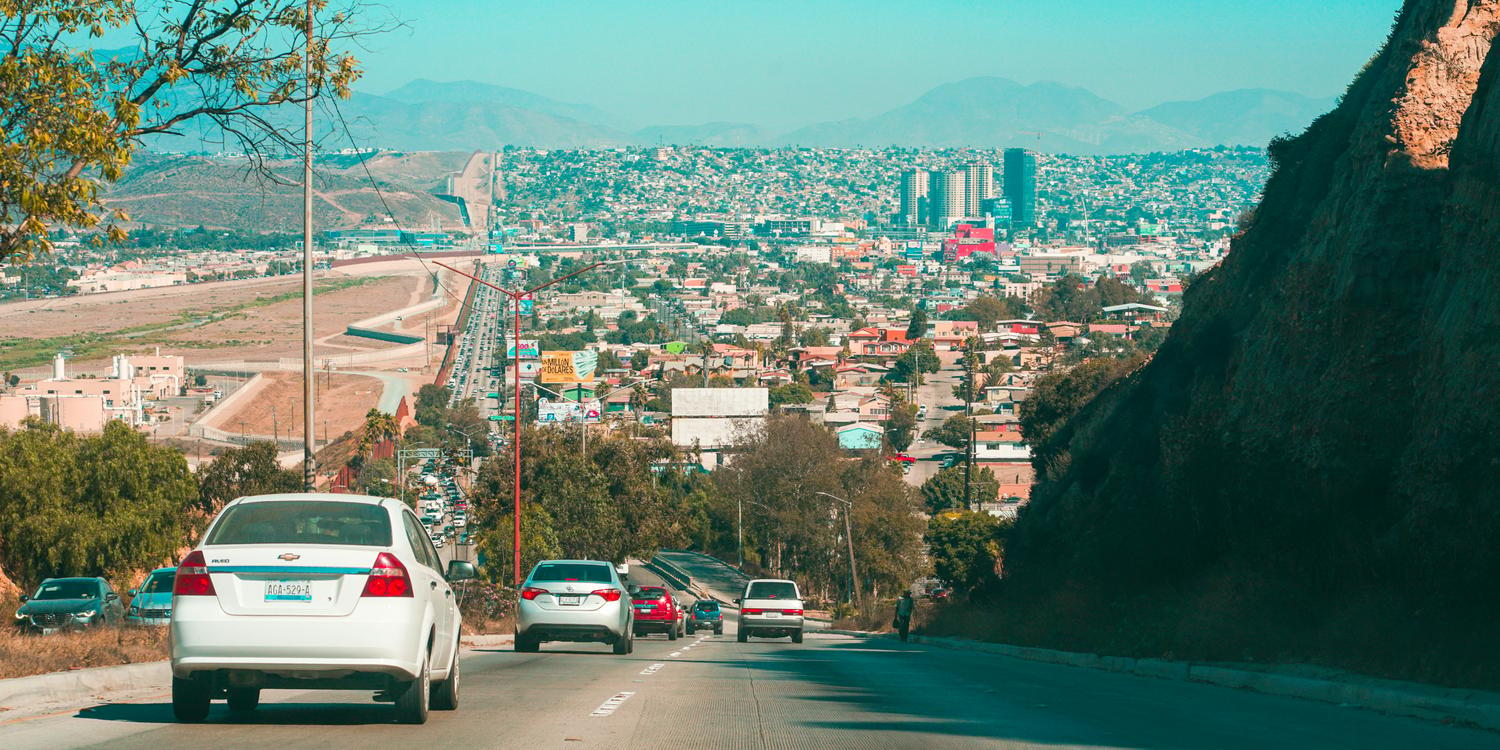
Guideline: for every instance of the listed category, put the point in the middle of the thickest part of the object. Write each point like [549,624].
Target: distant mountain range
[428,115]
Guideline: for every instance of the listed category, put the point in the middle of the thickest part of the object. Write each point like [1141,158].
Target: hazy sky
[786,63]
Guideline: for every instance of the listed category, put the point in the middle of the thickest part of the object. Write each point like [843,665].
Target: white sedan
[315,592]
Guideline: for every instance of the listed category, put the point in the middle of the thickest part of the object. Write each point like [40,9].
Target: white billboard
[720,402]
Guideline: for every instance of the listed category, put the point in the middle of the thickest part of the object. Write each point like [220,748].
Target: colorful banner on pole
[569,367]
[530,349]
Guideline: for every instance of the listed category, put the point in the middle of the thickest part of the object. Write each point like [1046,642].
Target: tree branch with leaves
[74,116]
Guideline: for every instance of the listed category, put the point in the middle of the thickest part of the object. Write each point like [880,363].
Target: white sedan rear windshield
[303,522]
[771,590]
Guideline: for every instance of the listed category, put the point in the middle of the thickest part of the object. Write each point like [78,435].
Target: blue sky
[786,63]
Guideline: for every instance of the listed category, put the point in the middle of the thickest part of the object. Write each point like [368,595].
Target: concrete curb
[20,692]
[486,641]
[1473,707]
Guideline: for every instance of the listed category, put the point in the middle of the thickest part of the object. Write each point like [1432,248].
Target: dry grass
[877,619]
[22,654]
[489,626]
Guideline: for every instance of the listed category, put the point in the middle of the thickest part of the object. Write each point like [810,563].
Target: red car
[657,612]
[902,458]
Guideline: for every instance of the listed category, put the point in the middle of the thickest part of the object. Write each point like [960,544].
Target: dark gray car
[70,603]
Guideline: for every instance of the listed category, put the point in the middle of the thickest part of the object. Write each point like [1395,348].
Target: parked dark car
[705,614]
[70,603]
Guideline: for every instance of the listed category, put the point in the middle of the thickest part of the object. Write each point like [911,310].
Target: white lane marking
[652,669]
[608,707]
[675,654]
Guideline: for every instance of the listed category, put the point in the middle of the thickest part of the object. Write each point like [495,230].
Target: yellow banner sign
[569,367]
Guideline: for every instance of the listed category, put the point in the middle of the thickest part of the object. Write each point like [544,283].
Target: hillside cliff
[1308,467]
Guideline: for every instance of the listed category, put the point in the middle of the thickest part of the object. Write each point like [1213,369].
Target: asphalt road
[711,692]
[936,392]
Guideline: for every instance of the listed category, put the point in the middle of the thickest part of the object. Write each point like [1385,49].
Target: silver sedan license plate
[569,599]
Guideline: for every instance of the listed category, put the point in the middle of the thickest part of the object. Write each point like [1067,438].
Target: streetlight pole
[469,439]
[515,297]
[849,537]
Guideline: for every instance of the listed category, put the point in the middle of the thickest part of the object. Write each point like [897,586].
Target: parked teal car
[152,602]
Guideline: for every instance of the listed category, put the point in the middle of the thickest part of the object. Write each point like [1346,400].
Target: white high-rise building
[979,186]
[946,198]
[913,197]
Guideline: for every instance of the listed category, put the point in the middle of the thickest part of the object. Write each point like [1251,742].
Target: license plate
[773,614]
[566,599]
[288,591]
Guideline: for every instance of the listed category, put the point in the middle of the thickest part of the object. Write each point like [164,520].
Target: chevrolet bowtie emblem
[288,556]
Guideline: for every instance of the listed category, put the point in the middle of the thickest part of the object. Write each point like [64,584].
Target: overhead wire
[380,194]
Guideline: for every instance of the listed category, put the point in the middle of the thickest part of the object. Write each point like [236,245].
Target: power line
[380,194]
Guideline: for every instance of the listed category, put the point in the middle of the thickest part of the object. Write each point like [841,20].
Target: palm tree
[378,427]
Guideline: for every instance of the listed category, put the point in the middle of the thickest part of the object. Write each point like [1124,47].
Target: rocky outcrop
[1314,453]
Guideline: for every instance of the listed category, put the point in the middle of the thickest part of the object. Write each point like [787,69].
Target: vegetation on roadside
[105,504]
[22,655]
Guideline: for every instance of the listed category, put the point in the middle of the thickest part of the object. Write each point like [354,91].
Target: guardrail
[670,573]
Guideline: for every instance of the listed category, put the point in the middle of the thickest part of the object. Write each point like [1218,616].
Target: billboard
[530,349]
[530,369]
[569,367]
[559,412]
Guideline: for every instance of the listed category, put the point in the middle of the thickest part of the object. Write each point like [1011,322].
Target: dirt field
[341,401]
[257,331]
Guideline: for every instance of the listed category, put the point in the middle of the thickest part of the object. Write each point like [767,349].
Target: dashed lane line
[653,668]
[608,707]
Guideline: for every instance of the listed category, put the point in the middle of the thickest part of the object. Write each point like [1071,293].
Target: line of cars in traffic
[444,509]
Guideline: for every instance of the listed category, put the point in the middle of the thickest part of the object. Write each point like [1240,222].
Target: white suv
[770,608]
[315,591]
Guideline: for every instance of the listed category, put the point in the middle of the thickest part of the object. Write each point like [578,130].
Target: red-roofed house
[879,342]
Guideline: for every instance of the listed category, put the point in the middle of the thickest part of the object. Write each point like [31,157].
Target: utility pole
[969,389]
[849,537]
[309,468]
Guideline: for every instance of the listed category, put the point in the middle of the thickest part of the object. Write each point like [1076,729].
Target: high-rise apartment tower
[913,197]
[946,198]
[979,186]
[1020,186]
